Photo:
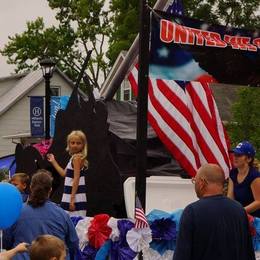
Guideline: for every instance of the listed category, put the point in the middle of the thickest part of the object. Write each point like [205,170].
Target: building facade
[15,92]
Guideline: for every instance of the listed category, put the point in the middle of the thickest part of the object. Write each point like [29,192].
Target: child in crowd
[47,247]
[21,181]
[74,196]
[8,255]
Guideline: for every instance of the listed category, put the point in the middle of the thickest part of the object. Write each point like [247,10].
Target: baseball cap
[245,148]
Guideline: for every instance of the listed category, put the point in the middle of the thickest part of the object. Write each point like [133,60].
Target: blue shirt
[47,219]
[24,196]
[242,191]
[214,228]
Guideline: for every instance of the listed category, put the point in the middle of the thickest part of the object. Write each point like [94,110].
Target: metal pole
[142,101]
[47,106]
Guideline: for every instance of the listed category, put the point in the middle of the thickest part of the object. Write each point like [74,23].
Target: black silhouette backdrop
[104,187]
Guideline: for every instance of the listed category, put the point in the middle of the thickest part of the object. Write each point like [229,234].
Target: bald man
[214,227]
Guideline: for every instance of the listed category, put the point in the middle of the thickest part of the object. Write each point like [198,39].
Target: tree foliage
[226,12]
[246,121]
[125,26]
[82,25]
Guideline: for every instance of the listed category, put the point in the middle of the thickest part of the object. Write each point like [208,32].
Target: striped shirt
[80,196]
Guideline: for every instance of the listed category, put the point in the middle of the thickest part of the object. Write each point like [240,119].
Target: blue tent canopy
[8,162]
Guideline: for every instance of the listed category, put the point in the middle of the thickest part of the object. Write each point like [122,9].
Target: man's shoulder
[212,201]
[211,208]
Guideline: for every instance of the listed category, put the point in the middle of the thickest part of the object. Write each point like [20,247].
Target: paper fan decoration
[82,231]
[112,223]
[139,238]
[99,231]
[163,229]
[121,251]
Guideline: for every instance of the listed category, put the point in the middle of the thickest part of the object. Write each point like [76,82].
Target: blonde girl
[74,199]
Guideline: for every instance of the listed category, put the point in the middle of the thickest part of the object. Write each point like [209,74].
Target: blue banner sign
[37,116]
[57,103]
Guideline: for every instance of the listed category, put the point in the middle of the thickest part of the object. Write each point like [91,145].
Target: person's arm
[184,240]
[8,255]
[230,193]
[255,205]
[77,163]
[58,168]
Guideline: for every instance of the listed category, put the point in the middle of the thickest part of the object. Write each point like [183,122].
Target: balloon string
[1,238]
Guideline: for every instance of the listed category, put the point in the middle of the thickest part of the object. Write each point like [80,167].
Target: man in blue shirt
[215,227]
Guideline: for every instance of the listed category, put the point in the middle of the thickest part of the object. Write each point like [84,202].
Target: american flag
[140,219]
[175,7]
[186,119]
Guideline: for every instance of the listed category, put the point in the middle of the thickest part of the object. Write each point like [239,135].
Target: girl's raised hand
[50,157]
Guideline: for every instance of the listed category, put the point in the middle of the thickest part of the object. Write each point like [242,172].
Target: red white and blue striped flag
[140,218]
[185,117]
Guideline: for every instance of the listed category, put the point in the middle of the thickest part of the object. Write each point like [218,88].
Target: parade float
[202,53]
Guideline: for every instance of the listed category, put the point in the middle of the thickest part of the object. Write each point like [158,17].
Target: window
[127,94]
[126,91]
[55,90]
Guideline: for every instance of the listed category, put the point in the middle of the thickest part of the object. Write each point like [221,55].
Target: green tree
[246,118]
[125,26]
[226,12]
[82,25]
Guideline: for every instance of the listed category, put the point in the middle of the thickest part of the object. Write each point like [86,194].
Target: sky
[13,17]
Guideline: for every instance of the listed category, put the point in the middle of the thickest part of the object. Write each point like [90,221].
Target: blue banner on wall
[55,107]
[36,116]
[57,103]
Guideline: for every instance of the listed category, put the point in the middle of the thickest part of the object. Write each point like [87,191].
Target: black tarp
[122,128]
[110,128]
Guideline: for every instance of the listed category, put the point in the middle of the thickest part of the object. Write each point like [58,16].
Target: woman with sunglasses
[244,181]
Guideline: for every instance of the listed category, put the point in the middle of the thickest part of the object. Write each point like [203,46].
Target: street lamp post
[47,66]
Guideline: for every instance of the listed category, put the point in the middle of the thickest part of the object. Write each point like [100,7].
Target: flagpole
[142,100]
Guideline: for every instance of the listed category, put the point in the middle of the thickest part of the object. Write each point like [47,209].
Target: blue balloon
[10,205]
